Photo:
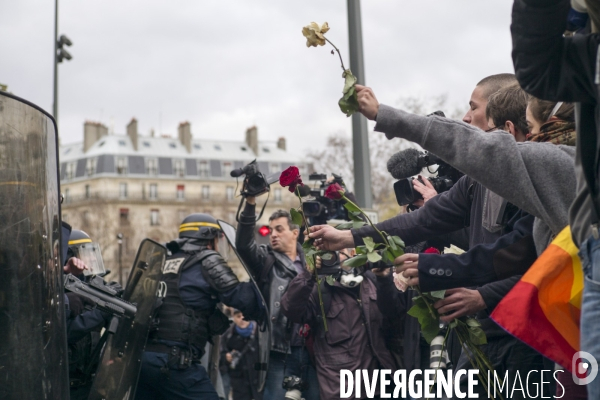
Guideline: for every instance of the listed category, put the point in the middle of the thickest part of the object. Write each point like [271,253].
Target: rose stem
[338,51]
[297,191]
[385,241]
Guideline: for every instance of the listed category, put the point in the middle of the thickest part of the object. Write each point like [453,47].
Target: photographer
[239,352]
[355,336]
[273,267]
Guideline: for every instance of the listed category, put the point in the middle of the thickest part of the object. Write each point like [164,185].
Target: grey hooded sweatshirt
[536,177]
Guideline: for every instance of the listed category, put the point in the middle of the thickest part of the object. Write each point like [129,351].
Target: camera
[447,176]
[255,182]
[438,353]
[236,356]
[322,209]
[294,386]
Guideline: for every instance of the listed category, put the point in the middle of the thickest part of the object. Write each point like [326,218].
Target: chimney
[252,139]
[132,132]
[185,135]
[281,143]
[92,132]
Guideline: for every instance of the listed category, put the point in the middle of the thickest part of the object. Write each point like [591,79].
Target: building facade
[143,186]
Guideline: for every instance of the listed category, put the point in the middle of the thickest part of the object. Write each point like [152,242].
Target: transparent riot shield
[33,344]
[264,333]
[119,368]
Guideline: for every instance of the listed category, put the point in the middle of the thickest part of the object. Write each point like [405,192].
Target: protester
[506,110]
[239,352]
[557,68]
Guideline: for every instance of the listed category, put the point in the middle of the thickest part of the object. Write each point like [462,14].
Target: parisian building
[121,189]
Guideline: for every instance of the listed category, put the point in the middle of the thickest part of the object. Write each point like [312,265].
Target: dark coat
[355,338]
[273,272]
[244,373]
[557,68]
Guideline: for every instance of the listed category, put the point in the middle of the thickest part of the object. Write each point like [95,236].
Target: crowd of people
[528,147]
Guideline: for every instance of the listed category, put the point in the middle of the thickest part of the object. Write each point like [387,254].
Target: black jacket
[552,67]
[273,273]
[462,205]
[512,254]
[244,372]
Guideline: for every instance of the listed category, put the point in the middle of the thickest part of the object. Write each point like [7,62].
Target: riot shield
[33,343]
[117,374]
[264,333]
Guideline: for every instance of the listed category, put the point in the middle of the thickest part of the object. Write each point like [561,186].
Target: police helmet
[204,227]
[199,226]
[82,247]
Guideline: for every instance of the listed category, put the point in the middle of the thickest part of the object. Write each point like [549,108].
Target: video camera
[255,182]
[321,209]
[407,163]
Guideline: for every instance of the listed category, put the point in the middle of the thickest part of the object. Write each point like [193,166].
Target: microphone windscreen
[304,190]
[404,163]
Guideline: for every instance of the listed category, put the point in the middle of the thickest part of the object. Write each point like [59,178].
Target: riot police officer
[83,325]
[197,277]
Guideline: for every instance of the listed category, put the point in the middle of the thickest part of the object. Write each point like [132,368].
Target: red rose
[432,250]
[289,177]
[334,191]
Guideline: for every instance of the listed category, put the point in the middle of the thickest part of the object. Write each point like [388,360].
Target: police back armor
[175,321]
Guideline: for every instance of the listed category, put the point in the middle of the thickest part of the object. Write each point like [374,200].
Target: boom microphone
[405,163]
[304,190]
[410,162]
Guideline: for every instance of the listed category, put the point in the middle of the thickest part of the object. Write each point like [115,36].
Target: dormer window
[197,146]
[217,147]
[172,145]
[146,144]
[266,150]
[122,143]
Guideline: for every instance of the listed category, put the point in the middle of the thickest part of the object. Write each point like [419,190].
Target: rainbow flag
[544,308]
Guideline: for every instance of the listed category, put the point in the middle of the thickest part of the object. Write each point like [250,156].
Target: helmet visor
[91,256]
[222,246]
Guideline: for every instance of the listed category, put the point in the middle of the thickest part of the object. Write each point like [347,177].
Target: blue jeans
[158,383]
[293,366]
[590,309]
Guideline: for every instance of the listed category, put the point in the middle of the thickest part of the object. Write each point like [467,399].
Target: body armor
[177,322]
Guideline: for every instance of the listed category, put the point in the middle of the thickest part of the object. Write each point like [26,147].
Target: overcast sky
[229,64]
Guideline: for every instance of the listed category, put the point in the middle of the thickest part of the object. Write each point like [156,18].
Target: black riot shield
[264,333]
[33,343]
[117,374]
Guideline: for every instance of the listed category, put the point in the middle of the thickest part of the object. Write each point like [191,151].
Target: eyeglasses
[495,128]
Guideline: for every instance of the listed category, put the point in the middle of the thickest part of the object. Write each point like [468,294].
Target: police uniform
[197,279]
[83,326]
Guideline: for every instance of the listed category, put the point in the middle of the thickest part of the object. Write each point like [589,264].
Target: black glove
[77,304]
